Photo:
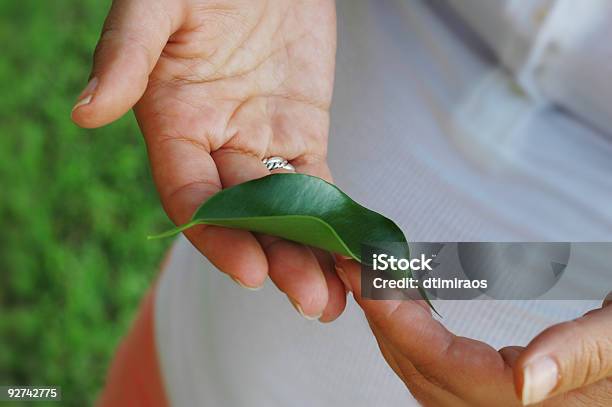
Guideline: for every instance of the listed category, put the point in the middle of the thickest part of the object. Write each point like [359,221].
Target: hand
[217,86]
[569,364]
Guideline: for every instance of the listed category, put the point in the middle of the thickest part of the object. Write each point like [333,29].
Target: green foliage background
[75,207]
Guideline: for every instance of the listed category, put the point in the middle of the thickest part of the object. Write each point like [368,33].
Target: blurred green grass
[75,207]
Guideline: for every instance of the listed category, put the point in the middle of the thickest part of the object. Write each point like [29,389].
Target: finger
[317,166]
[425,337]
[434,351]
[304,144]
[295,270]
[391,358]
[186,176]
[133,37]
[336,301]
[313,165]
[237,166]
[426,390]
[598,394]
[291,266]
[336,296]
[566,356]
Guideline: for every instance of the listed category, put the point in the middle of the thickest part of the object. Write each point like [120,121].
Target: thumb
[134,35]
[566,356]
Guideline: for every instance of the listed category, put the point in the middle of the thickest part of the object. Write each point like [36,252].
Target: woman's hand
[217,86]
[569,364]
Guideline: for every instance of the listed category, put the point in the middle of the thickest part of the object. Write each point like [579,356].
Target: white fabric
[405,125]
[557,49]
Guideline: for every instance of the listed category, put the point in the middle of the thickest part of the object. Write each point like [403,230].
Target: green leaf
[301,208]
[297,207]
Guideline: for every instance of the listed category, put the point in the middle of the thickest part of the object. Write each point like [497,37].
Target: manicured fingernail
[343,277]
[87,94]
[241,284]
[607,301]
[539,379]
[299,309]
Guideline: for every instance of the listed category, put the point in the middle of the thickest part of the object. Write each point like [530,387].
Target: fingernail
[343,277]
[607,301]
[87,94]
[539,379]
[323,321]
[299,309]
[241,284]
[340,257]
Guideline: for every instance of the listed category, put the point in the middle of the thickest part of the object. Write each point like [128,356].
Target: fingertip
[336,302]
[300,309]
[84,116]
[309,303]
[119,79]
[234,252]
[82,110]
[295,271]
[537,380]
[113,95]
[335,307]
[245,286]
[349,272]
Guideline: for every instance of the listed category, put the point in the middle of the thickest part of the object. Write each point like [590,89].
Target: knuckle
[592,357]
[127,38]
[589,362]
[600,364]
[115,40]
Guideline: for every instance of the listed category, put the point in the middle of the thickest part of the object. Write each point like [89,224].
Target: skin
[218,85]
[442,369]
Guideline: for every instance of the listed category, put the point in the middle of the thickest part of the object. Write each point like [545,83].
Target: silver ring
[277,163]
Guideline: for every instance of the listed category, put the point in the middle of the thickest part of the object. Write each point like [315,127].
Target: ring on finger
[277,163]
